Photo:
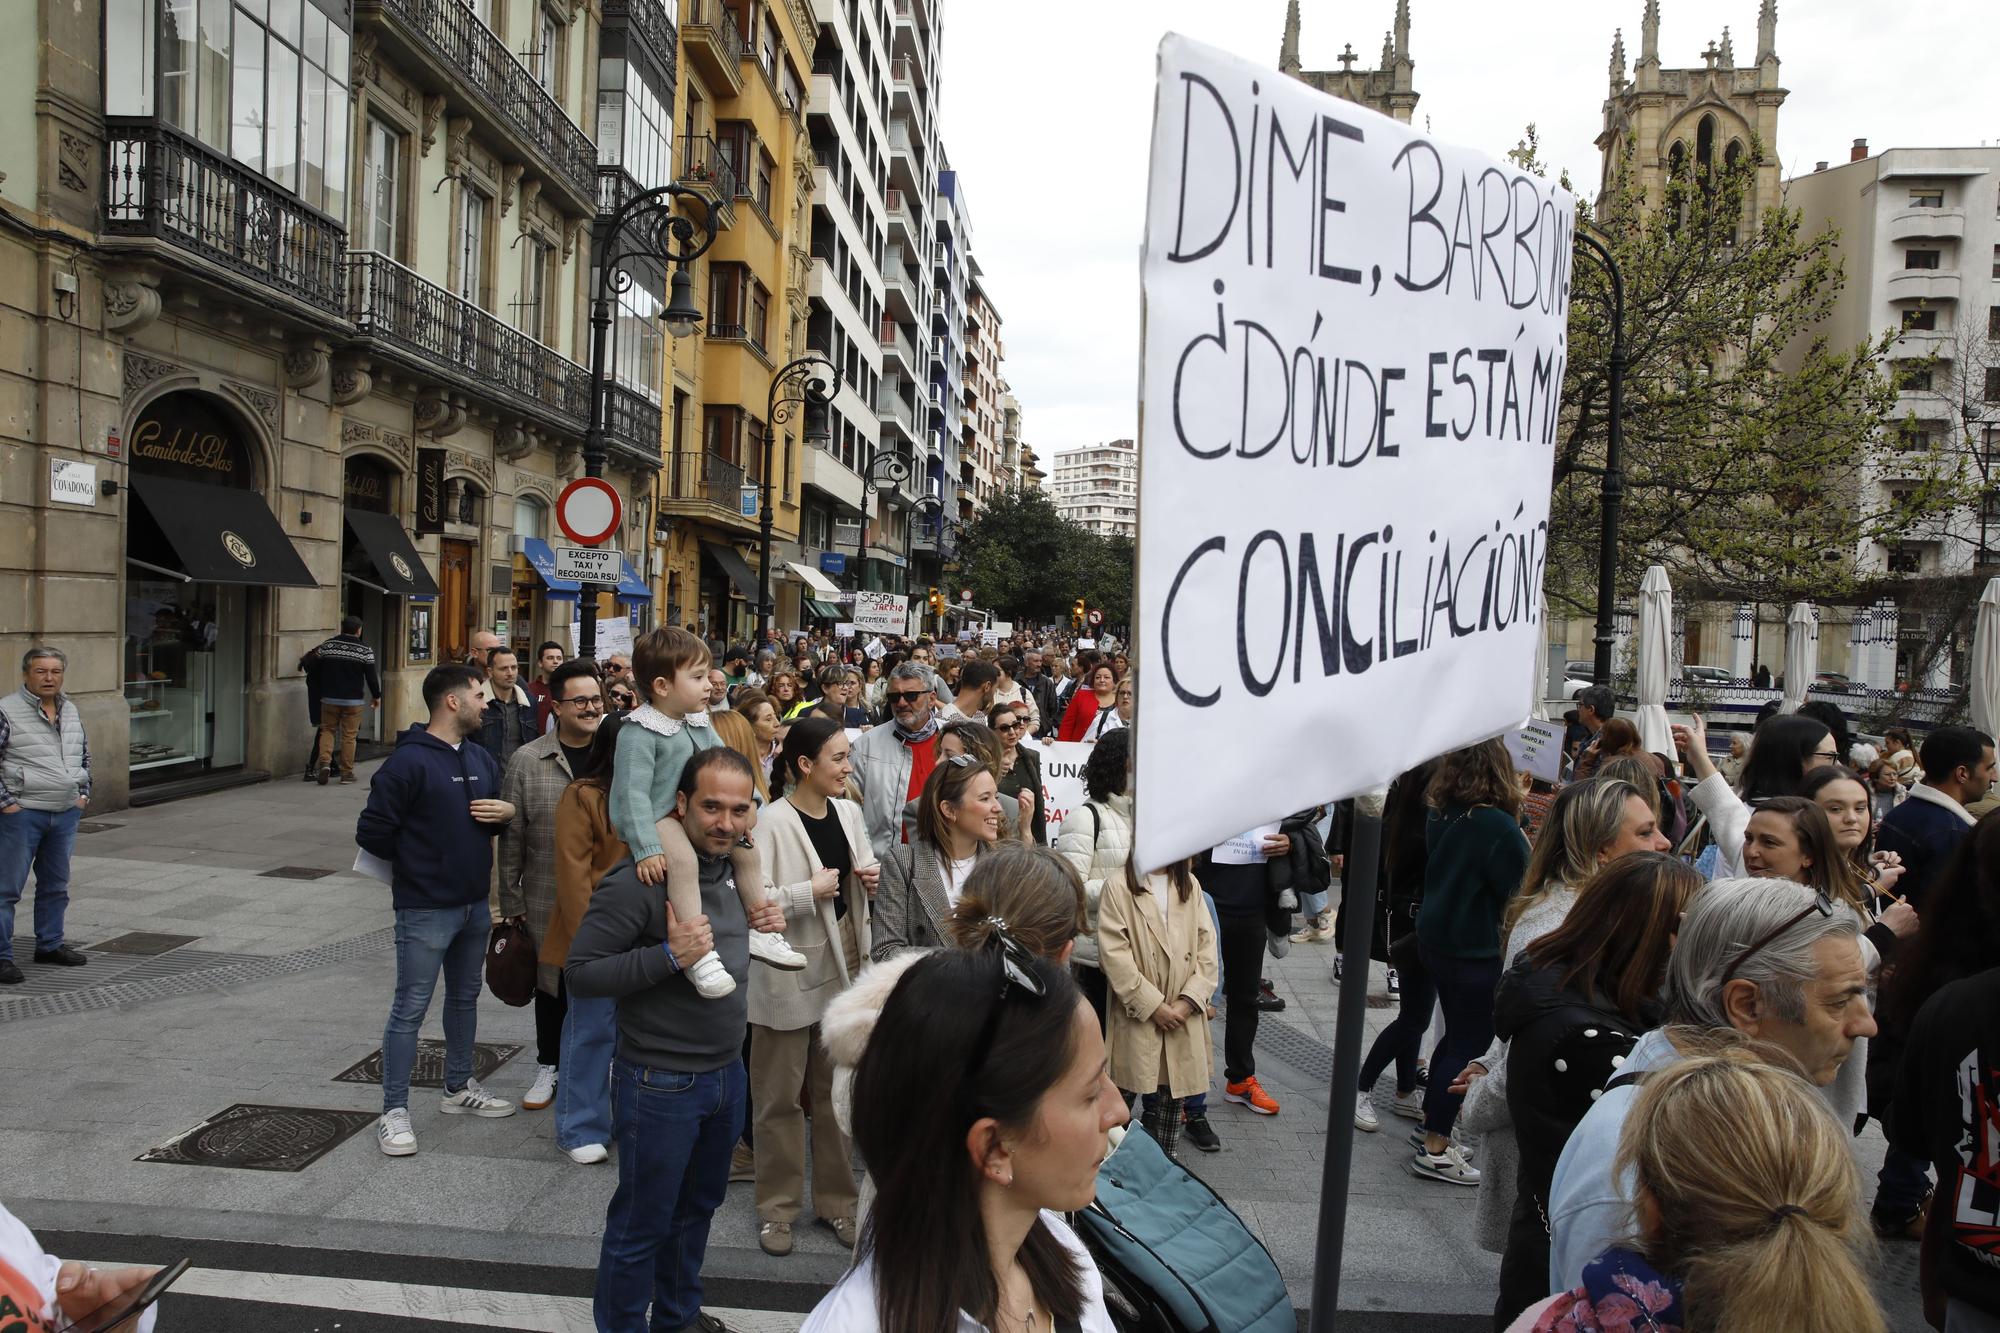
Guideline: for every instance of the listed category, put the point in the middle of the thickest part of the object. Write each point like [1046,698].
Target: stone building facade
[1390,89]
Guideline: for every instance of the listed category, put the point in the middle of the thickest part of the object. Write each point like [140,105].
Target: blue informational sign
[832,562]
[747,500]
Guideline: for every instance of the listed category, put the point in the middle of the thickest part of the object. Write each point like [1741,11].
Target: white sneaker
[543,1090]
[1409,1105]
[475,1100]
[589,1154]
[711,979]
[769,947]
[1449,1166]
[1364,1114]
[393,1134]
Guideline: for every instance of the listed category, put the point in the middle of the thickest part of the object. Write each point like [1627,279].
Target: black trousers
[550,1010]
[1091,981]
[1524,1266]
[1242,949]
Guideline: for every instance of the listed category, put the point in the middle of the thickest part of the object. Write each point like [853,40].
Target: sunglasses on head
[1820,903]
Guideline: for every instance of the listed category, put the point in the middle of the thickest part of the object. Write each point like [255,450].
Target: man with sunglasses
[1773,961]
[534,783]
[892,763]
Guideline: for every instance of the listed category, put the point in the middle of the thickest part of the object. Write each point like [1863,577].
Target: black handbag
[511,963]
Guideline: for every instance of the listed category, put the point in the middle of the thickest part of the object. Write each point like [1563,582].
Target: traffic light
[937,601]
[1076,612]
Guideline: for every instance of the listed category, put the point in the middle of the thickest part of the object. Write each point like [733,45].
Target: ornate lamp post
[1613,493]
[811,382]
[644,227]
[886,471]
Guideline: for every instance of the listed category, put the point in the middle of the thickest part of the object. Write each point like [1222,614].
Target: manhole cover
[95,826]
[261,1138]
[294,872]
[145,944]
[487,1056]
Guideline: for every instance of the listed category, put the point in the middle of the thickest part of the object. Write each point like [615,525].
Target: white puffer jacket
[1096,838]
[844,1031]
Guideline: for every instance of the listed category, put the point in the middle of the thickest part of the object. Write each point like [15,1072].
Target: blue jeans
[429,939]
[675,1134]
[41,839]
[583,1093]
[1465,989]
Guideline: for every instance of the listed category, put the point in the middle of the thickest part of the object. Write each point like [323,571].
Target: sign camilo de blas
[1353,351]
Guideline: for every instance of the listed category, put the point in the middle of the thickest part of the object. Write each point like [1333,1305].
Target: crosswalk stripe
[527,1311]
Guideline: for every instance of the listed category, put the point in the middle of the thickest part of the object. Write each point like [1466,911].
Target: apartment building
[299,295]
[982,422]
[1098,486]
[736,120]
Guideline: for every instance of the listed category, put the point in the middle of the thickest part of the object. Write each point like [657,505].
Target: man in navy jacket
[433,810]
[1927,828]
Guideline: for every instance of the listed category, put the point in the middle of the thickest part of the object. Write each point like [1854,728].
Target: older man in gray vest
[44,785]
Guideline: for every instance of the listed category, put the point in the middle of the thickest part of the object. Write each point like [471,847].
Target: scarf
[921,734]
[1621,1293]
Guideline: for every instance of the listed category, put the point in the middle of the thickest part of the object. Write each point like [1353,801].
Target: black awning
[221,534]
[390,550]
[733,565]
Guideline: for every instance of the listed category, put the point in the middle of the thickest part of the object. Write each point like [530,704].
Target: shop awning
[822,586]
[733,565]
[825,609]
[221,534]
[631,586]
[543,561]
[398,567]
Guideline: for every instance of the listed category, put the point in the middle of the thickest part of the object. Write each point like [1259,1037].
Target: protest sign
[1062,780]
[990,638]
[614,635]
[1537,748]
[1353,349]
[880,612]
[843,631]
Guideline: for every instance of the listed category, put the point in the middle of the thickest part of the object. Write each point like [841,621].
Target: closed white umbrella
[1656,626]
[1538,693]
[1986,659]
[1801,655]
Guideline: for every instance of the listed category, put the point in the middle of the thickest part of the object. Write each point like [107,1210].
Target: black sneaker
[1268,999]
[1195,1129]
[311,773]
[10,975]
[61,956]
[323,776]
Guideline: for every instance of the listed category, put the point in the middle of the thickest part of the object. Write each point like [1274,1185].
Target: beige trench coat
[788,1000]
[1148,963]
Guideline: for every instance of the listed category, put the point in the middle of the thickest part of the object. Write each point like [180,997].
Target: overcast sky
[1046,110]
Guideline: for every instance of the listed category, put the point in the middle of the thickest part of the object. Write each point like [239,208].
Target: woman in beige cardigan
[1156,943]
[822,870]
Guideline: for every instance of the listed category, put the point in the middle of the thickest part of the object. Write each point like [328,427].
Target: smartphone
[135,1301]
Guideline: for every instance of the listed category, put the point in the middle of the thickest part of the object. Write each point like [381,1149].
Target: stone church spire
[1617,59]
[1649,34]
[1767,31]
[1402,29]
[1288,49]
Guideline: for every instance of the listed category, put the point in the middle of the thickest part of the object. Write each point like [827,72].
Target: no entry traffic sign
[589,510]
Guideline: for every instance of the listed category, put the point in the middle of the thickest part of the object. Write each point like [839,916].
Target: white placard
[72,483]
[614,635]
[843,631]
[1004,628]
[1352,356]
[881,612]
[588,564]
[1086,643]
[990,638]
[875,650]
[1246,849]
[1537,748]
[1062,780]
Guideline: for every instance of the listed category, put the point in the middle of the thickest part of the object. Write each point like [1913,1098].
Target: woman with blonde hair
[1748,1231]
[739,734]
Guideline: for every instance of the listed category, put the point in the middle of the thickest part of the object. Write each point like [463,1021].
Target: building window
[760,314]
[1927,197]
[1922,258]
[1993,322]
[531,517]
[472,223]
[481,9]
[531,311]
[1993,384]
[382,190]
[721,431]
[726,283]
[1920,319]
[1906,560]
[548,54]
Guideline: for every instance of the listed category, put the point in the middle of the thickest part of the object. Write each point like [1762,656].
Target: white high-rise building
[1098,486]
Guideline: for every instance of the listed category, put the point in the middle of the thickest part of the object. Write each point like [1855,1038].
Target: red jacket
[1079,715]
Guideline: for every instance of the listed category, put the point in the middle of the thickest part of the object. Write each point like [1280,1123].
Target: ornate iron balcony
[706,478]
[162,184]
[632,425]
[402,312]
[475,65]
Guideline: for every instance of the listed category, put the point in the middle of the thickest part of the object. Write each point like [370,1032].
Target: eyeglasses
[1016,969]
[1820,903]
[587,701]
[907,696]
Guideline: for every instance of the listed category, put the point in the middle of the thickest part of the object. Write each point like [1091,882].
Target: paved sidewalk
[285,982]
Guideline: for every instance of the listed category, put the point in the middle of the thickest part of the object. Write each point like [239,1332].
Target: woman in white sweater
[821,869]
[1782,752]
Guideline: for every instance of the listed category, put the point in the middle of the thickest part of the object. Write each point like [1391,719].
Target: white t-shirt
[953,872]
[1107,719]
[850,1306]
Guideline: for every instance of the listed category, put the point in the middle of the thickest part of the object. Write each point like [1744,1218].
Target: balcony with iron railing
[705,481]
[467,61]
[632,426]
[700,165]
[161,185]
[406,317]
[714,44]
[649,19]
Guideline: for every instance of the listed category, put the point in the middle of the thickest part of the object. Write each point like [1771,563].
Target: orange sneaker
[1251,1093]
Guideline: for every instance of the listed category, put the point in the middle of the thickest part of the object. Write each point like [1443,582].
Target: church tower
[1710,113]
[1389,89]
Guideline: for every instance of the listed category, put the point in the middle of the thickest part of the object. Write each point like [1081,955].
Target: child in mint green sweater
[659,738]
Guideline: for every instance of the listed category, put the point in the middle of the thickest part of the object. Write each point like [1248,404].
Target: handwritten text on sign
[1354,347]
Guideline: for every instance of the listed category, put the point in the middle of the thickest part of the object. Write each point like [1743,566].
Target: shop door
[455,601]
[379,615]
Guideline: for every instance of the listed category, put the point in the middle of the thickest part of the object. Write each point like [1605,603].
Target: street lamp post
[813,382]
[644,227]
[1613,491]
[886,471]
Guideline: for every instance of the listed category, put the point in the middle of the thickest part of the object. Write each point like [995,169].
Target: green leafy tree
[1748,436]
[1024,559]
